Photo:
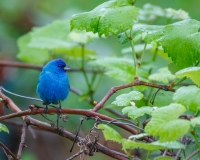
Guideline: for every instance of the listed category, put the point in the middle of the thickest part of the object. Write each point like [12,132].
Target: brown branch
[193,154]
[135,83]
[8,151]
[70,136]
[37,67]
[88,113]
[10,104]
[23,137]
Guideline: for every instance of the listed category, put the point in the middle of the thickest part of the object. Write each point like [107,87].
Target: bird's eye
[59,65]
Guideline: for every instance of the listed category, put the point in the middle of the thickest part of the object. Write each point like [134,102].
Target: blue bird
[53,85]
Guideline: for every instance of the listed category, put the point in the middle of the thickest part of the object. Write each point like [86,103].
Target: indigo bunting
[53,85]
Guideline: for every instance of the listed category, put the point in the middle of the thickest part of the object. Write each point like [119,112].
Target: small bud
[95,102]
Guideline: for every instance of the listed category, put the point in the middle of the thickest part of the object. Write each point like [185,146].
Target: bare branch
[9,103]
[23,137]
[8,151]
[37,67]
[89,113]
[70,136]
[135,83]
[193,154]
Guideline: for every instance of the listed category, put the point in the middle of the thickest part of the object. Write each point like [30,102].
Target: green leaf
[128,144]
[52,36]
[189,97]
[180,41]
[172,68]
[119,68]
[82,37]
[30,54]
[3,128]
[125,99]
[135,112]
[195,121]
[75,52]
[166,124]
[110,134]
[192,72]
[149,32]
[110,17]
[163,75]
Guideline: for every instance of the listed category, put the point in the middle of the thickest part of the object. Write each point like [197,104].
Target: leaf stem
[196,139]
[149,152]
[145,45]
[84,72]
[179,81]
[133,51]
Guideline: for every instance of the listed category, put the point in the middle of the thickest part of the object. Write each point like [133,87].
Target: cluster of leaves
[53,40]
[177,43]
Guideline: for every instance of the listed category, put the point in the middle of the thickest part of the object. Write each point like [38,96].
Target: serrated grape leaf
[192,72]
[82,37]
[3,128]
[164,158]
[150,32]
[125,99]
[166,124]
[135,112]
[138,136]
[189,97]
[163,75]
[119,68]
[128,144]
[110,134]
[52,36]
[30,54]
[110,17]
[180,41]
[195,121]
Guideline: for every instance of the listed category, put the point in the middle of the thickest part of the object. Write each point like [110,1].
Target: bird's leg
[58,113]
[46,109]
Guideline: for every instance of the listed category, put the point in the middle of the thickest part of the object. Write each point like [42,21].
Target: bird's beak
[67,68]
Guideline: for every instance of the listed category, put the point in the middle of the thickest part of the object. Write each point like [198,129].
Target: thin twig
[23,137]
[193,154]
[70,136]
[38,67]
[8,151]
[135,83]
[75,155]
[178,154]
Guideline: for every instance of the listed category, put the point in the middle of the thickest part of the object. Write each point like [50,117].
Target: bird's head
[57,66]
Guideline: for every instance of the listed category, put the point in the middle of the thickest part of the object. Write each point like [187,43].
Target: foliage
[191,102]
[3,128]
[166,124]
[110,17]
[135,112]
[153,53]
[126,99]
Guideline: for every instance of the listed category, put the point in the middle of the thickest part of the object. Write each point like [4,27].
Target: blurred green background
[17,17]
